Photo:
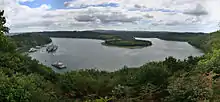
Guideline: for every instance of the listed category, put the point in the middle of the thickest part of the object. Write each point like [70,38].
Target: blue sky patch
[55,4]
[59,4]
[97,5]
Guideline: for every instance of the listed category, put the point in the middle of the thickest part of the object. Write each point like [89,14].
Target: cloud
[171,15]
[198,11]
[107,17]
[85,18]
[77,4]
[173,23]
[67,4]
[46,7]
[148,16]
[139,6]
[25,0]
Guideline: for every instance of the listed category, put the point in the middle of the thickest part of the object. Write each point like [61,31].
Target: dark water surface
[88,53]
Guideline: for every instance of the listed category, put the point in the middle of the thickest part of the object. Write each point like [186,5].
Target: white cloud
[199,10]
[46,7]
[113,15]
[169,15]
[25,0]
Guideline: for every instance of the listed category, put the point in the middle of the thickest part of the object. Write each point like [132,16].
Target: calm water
[87,53]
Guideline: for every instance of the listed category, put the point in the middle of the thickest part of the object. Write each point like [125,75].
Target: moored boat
[38,47]
[59,65]
[32,50]
[52,48]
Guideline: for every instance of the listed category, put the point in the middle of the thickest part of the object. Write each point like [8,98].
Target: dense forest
[191,80]
[176,36]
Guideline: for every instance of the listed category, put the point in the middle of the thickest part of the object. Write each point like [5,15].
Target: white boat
[52,48]
[59,65]
[32,50]
[38,47]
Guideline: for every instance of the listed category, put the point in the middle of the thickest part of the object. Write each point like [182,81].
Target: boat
[52,48]
[38,47]
[59,65]
[32,50]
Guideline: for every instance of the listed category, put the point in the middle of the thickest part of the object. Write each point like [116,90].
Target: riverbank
[28,40]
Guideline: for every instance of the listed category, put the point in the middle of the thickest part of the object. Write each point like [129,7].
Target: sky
[131,15]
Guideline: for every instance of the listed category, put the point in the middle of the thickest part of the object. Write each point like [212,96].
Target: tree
[3,29]
[153,73]
[189,89]
[172,64]
[21,88]
[5,44]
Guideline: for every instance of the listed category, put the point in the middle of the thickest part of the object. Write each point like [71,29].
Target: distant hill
[123,34]
[192,38]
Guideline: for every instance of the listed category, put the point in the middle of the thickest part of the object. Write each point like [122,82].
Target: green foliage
[86,84]
[212,59]
[154,73]
[20,63]
[100,100]
[174,65]
[108,37]
[5,44]
[188,89]
[23,88]
[211,62]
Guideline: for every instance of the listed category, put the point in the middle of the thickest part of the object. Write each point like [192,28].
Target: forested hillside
[25,41]
[195,39]
[191,80]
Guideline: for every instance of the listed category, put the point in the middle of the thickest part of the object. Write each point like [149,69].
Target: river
[88,53]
